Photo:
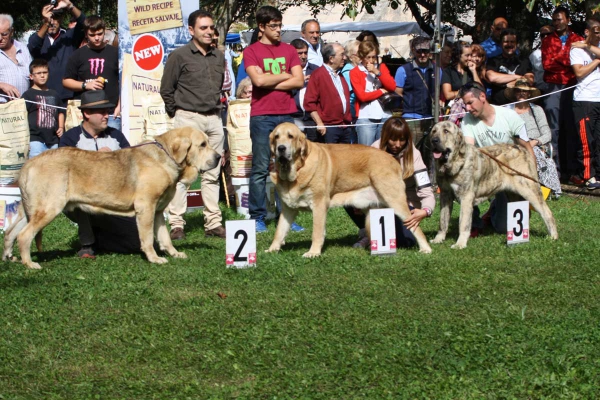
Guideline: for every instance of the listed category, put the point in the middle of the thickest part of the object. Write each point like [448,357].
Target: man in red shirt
[559,75]
[327,97]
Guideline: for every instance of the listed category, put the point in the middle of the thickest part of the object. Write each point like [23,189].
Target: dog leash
[510,168]
[160,146]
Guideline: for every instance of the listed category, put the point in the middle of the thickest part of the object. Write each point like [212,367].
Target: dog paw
[458,246]
[158,260]
[33,265]
[179,254]
[272,249]
[310,254]
[425,251]
[437,240]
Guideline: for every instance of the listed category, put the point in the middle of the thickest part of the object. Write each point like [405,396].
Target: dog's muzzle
[283,154]
[439,153]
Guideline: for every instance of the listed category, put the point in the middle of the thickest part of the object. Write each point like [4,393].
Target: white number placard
[517,222]
[240,245]
[383,231]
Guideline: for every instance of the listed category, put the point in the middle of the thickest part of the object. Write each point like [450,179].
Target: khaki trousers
[213,127]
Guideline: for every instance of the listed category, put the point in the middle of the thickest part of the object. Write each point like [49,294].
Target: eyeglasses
[425,51]
[466,88]
[274,26]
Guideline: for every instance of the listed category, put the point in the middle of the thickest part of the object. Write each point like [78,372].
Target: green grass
[489,321]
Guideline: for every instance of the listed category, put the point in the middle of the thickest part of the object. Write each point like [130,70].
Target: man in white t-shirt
[585,62]
[486,125]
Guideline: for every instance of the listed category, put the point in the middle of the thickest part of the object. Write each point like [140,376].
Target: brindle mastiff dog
[136,181]
[315,177]
[465,173]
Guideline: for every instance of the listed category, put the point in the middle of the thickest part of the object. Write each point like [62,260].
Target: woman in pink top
[396,139]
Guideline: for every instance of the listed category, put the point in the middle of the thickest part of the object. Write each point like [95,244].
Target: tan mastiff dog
[137,181]
[316,177]
[465,173]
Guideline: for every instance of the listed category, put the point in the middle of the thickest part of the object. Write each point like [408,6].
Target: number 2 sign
[517,222]
[240,245]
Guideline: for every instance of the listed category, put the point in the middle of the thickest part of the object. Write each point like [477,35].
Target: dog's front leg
[286,219]
[318,235]
[144,216]
[446,203]
[163,237]
[465,220]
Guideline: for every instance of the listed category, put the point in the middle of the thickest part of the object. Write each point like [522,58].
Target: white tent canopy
[380,29]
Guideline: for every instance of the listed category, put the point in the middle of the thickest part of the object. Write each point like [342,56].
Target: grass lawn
[489,321]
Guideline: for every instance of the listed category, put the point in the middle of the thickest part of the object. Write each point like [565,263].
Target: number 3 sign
[383,231]
[240,245]
[517,222]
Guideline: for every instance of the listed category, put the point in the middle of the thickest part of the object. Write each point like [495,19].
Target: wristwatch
[428,211]
[83,85]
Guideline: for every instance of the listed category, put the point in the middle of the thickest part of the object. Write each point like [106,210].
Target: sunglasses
[467,87]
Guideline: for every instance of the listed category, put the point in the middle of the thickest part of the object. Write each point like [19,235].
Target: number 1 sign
[383,231]
[240,245]
[517,222]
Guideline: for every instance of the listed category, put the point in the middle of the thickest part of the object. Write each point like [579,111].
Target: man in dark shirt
[98,231]
[95,67]
[191,89]
[506,68]
[55,44]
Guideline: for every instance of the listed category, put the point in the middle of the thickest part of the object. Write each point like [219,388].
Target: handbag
[390,102]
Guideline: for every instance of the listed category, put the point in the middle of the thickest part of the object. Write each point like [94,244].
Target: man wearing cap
[55,44]
[191,89]
[97,231]
[415,82]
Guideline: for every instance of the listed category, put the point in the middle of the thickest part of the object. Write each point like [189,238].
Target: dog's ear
[301,144]
[180,147]
[273,139]
[461,144]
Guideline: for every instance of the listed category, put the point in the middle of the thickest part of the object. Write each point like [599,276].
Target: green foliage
[28,14]
[489,321]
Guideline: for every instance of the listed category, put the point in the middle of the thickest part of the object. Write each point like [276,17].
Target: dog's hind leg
[446,204]
[11,233]
[400,206]
[164,239]
[145,216]
[283,227]
[533,195]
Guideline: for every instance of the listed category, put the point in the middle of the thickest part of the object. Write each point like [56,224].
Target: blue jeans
[367,134]
[36,148]
[261,127]
[114,122]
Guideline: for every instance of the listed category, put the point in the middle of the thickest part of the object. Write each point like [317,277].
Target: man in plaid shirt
[559,75]
[14,62]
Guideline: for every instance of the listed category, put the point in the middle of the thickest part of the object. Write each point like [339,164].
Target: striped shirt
[16,75]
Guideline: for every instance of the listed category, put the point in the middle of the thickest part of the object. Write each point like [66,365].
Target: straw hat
[520,84]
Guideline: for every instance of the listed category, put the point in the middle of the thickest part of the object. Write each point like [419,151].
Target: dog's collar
[160,146]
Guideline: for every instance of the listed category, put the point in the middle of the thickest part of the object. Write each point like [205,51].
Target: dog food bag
[238,133]
[74,116]
[156,120]
[14,140]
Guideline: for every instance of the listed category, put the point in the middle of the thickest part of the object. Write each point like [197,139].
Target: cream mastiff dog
[137,181]
[316,177]
[465,173]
